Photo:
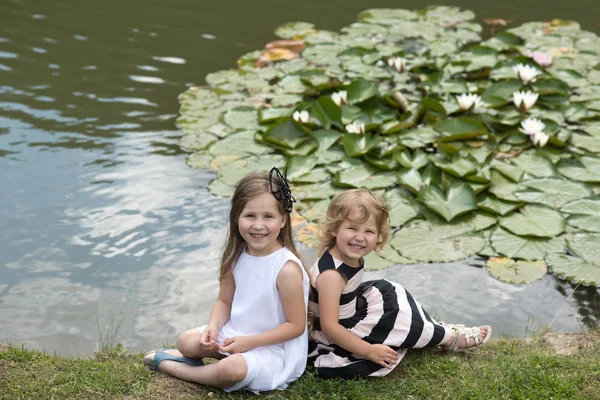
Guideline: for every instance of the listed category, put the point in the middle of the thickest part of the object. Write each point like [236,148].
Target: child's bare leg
[224,373]
[188,343]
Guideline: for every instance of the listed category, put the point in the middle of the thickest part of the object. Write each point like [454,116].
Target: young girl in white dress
[257,327]
[365,329]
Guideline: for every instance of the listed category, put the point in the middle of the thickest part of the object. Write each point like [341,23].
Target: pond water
[106,236]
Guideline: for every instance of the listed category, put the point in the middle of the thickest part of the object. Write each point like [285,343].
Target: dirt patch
[4,348]
[566,344]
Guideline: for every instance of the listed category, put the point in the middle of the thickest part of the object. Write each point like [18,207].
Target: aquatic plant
[485,147]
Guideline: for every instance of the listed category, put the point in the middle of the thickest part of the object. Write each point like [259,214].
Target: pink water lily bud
[543,59]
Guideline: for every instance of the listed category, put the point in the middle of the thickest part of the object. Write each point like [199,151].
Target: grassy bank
[551,366]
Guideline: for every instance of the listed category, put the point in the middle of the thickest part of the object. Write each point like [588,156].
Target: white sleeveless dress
[257,308]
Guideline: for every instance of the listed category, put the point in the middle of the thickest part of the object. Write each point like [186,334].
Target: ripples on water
[100,219]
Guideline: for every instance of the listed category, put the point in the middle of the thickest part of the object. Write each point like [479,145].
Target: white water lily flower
[526,73]
[340,97]
[398,63]
[356,127]
[469,101]
[301,116]
[531,126]
[524,100]
[540,139]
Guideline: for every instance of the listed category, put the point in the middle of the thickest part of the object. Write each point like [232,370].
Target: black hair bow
[283,192]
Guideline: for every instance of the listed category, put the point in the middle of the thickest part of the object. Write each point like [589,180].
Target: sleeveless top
[353,278]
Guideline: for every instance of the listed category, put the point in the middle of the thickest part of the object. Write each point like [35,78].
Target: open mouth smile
[258,236]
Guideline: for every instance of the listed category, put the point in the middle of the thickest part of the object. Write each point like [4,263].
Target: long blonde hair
[251,186]
[340,208]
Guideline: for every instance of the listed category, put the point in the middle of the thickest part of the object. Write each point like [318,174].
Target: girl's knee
[232,369]
[188,342]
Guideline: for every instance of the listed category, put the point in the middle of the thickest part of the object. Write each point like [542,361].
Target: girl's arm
[330,285]
[220,312]
[291,292]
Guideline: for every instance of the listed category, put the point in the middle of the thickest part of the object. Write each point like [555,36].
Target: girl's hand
[237,344]
[382,355]
[208,340]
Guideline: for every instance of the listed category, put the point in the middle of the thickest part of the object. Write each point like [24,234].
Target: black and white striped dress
[377,311]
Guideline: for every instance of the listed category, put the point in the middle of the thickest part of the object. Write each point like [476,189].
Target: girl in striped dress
[365,328]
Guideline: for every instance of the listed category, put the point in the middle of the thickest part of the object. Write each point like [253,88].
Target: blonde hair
[344,204]
[251,186]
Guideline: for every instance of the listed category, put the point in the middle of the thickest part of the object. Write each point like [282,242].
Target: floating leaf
[509,270]
[196,142]
[402,207]
[363,176]
[585,214]
[327,112]
[241,118]
[358,144]
[534,220]
[299,165]
[374,262]
[423,241]
[489,202]
[526,248]
[460,128]
[417,160]
[586,169]
[455,200]
[360,90]
[220,189]
[241,144]
[574,268]
[552,192]
[293,29]
[288,134]
[458,165]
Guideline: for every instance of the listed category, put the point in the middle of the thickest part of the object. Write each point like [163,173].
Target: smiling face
[354,240]
[259,225]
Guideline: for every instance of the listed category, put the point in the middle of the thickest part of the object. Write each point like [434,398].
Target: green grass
[503,369]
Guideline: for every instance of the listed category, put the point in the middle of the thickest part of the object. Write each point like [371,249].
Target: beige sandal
[467,333]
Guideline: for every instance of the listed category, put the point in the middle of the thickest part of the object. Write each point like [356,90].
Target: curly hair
[344,204]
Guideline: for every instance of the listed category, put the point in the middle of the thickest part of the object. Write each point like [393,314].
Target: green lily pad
[534,220]
[358,144]
[364,177]
[326,138]
[316,191]
[584,214]
[417,160]
[586,142]
[585,169]
[220,189]
[451,201]
[242,144]
[402,207]
[232,173]
[389,253]
[423,241]
[552,192]
[574,268]
[489,202]
[457,165]
[460,128]
[288,134]
[299,165]
[509,270]
[525,247]
[199,160]
[418,137]
[535,165]
[360,90]
[585,246]
[498,93]
[374,262]
[196,142]
[327,112]
[241,118]
[292,29]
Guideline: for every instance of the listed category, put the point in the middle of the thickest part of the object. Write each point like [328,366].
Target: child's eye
[352,228]
[268,216]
